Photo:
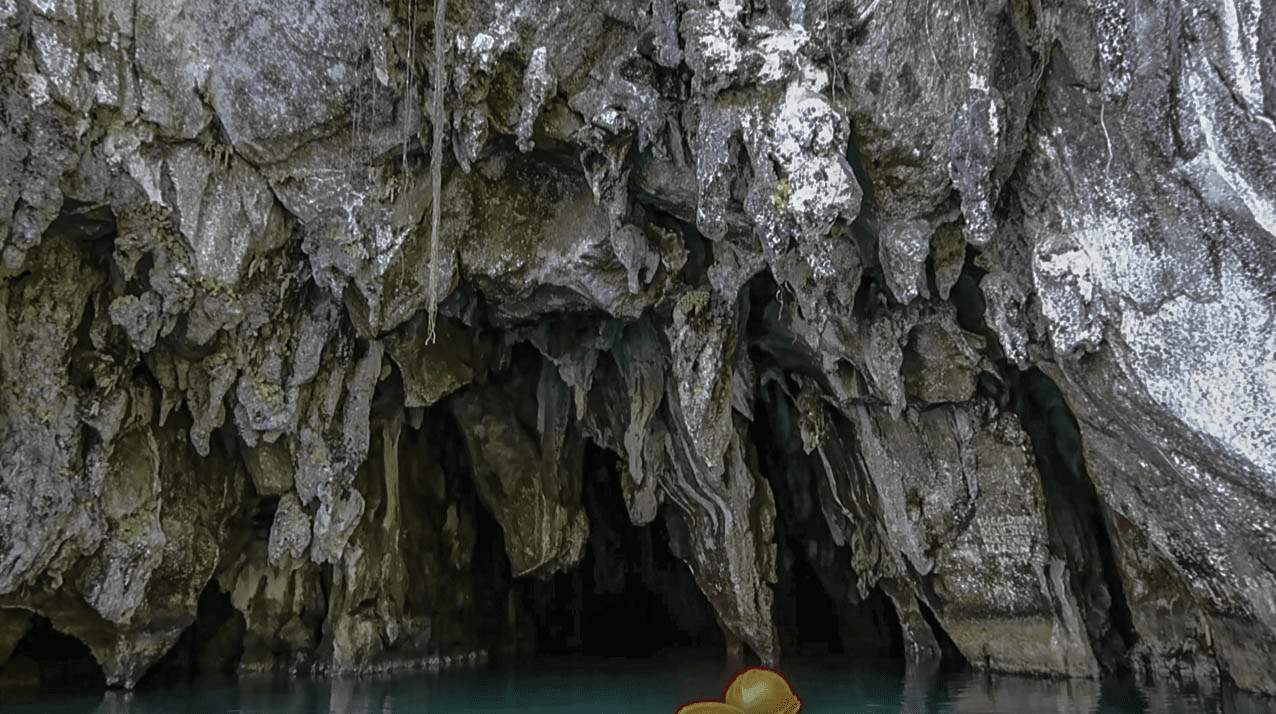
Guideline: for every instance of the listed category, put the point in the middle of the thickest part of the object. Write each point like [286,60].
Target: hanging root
[828,47]
[930,43]
[436,157]
[407,87]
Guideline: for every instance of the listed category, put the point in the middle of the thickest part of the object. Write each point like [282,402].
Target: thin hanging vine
[436,156]
[407,86]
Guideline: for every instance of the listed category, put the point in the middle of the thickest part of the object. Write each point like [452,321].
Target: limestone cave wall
[778,326]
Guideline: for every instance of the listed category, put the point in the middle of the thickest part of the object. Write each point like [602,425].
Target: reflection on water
[598,686]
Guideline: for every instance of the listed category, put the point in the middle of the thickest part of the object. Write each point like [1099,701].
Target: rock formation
[965,308]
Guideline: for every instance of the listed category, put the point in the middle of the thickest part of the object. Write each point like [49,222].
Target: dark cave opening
[1074,515]
[480,614]
[812,622]
[809,622]
[630,596]
[968,298]
[818,605]
[495,622]
[881,620]
[950,657]
[52,661]
[210,646]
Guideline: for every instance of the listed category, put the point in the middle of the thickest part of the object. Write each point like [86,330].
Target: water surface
[833,685]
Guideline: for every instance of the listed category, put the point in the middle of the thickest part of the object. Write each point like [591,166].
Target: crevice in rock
[772,344]
[969,300]
[493,564]
[263,516]
[951,657]
[389,395]
[324,636]
[51,661]
[92,225]
[699,255]
[873,295]
[80,368]
[1074,516]
[865,226]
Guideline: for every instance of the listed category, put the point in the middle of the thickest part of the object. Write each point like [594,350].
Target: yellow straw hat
[708,708]
[758,690]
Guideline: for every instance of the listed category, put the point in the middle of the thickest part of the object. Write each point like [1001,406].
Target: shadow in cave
[950,657]
[210,646]
[1075,517]
[818,608]
[809,622]
[479,612]
[630,596]
[48,661]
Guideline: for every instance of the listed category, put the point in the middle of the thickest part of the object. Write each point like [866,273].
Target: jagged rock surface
[994,277]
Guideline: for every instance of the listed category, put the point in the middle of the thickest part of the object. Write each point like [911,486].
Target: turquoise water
[599,686]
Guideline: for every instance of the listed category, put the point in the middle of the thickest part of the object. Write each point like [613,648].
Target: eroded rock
[526,465]
[887,232]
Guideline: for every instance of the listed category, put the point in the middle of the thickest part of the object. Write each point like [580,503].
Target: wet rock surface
[956,315]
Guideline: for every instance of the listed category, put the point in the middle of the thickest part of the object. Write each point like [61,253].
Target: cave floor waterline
[617,685]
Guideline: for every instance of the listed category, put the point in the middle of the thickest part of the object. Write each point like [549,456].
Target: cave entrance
[476,611]
[819,609]
[51,661]
[809,625]
[630,596]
